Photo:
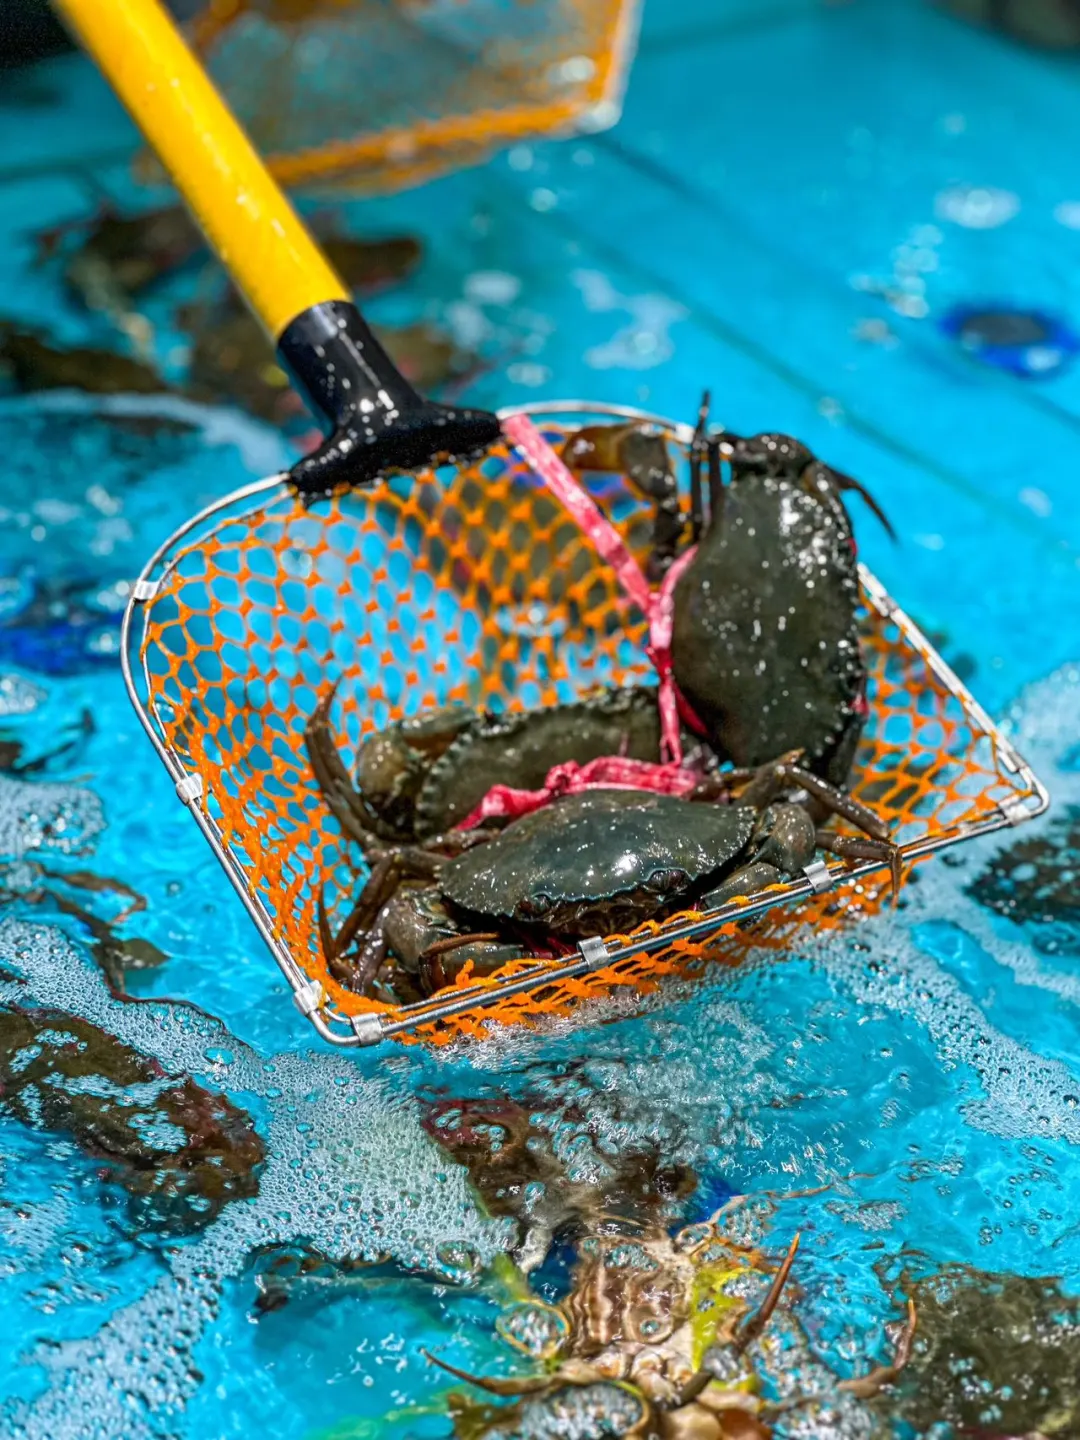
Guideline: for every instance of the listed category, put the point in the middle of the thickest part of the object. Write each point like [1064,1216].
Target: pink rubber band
[658,607]
[610,772]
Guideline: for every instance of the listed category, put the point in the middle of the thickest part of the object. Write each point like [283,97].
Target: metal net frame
[378,94]
[471,584]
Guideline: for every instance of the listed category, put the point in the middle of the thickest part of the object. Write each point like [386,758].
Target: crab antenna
[716,483]
[697,448]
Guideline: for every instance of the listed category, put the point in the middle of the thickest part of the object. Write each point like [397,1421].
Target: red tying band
[610,772]
[658,607]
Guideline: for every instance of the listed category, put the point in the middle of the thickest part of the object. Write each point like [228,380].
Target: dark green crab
[416,780]
[421,776]
[584,864]
[765,644]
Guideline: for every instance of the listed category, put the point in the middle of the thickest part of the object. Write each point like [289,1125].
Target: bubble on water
[1024,1094]
[19,696]
[976,207]
[43,816]
[35,1231]
[134,1375]
[1043,719]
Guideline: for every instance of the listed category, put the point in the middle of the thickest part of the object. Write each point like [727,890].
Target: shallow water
[918,1076]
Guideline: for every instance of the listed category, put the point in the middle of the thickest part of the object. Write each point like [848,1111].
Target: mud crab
[424,775]
[441,893]
[765,647]
[771,599]
[420,778]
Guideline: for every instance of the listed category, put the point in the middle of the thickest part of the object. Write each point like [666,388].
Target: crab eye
[662,882]
[535,907]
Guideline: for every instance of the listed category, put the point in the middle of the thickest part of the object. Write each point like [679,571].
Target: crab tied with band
[490,838]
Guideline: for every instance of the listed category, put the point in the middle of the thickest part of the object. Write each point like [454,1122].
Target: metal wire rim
[370,1029]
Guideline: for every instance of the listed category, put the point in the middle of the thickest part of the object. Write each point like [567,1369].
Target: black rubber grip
[376,421]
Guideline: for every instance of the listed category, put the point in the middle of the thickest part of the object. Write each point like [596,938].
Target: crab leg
[763,1314]
[523,1385]
[416,861]
[333,779]
[855,847]
[878,844]
[848,482]
[364,922]
[749,1332]
[355,971]
[455,942]
[762,782]
[836,800]
[380,885]
[697,447]
[767,781]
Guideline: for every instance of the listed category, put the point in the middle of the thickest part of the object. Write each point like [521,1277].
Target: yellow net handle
[241,210]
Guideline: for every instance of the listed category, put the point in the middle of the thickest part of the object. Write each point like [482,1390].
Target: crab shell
[645,1309]
[423,775]
[765,643]
[602,859]
[641,1313]
[520,748]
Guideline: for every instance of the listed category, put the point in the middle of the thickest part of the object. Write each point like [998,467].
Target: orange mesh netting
[470,585]
[376,94]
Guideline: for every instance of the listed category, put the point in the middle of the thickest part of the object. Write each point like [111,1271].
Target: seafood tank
[827,1192]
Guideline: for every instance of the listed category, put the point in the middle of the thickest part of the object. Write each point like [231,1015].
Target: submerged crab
[659,1337]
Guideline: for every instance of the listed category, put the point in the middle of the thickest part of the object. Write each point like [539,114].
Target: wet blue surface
[796,196]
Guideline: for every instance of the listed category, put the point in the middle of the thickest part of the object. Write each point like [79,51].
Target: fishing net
[473,585]
[378,94]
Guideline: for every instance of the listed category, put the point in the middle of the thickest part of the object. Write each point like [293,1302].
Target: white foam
[976,207]
[42,816]
[349,1171]
[1024,1094]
